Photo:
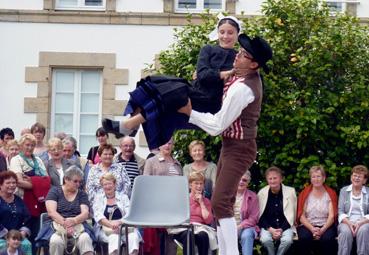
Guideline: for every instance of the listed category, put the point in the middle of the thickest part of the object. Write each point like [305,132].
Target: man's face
[68,150]
[244,60]
[127,147]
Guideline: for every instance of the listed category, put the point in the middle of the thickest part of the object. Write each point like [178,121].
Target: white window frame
[344,4]
[80,6]
[199,7]
[77,102]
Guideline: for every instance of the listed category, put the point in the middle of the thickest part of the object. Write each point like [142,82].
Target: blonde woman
[197,151]
[12,148]
[108,214]
[57,164]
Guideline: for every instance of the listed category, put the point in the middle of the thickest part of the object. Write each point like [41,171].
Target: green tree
[316,98]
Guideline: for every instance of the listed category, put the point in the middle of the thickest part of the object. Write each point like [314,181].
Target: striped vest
[245,126]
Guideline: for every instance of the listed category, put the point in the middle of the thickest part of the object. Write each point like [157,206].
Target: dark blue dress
[159,97]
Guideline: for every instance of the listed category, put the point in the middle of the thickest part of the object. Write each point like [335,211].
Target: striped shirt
[131,167]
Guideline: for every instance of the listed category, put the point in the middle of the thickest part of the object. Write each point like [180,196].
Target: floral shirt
[93,186]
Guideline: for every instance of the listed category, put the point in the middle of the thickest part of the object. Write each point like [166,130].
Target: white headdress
[214,34]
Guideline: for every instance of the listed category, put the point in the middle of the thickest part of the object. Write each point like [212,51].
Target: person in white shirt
[237,122]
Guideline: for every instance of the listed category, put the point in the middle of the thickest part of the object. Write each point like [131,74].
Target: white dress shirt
[237,98]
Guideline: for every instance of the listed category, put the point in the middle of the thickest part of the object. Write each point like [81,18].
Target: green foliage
[316,98]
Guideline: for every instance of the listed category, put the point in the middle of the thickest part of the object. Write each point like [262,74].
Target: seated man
[278,211]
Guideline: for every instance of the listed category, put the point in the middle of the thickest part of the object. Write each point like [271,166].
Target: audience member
[25,131]
[316,214]
[6,134]
[12,149]
[353,213]
[199,164]
[93,186]
[60,135]
[13,211]
[13,241]
[108,214]
[133,163]
[39,131]
[246,212]
[163,163]
[102,138]
[278,211]
[3,164]
[57,164]
[201,216]
[33,181]
[68,208]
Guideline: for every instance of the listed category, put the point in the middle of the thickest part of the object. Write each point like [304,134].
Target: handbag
[108,231]
[61,231]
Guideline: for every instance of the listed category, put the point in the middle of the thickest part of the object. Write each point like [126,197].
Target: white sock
[228,228]
[221,241]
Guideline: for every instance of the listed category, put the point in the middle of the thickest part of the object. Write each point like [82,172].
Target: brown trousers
[236,157]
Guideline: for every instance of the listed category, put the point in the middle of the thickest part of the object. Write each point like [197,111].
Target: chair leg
[127,248]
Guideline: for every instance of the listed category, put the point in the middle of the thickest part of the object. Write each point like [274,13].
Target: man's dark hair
[6,131]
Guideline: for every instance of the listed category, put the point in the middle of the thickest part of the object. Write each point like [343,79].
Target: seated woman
[201,216]
[353,213]
[93,186]
[13,211]
[68,208]
[200,165]
[33,181]
[316,214]
[246,212]
[57,164]
[108,215]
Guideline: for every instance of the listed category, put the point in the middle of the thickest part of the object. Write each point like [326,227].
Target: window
[93,5]
[76,105]
[199,5]
[341,5]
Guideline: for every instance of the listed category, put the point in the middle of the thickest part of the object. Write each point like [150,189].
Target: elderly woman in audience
[13,211]
[246,211]
[316,214]
[278,212]
[33,182]
[201,216]
[93,156]
[68,208]
[108,214]
[163,163]
[39,131]
[57,164]
[353,213]
[200,165]
[93,186]
[13,150]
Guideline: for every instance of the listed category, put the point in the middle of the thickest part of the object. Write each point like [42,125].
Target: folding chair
[42,247]
[159,201]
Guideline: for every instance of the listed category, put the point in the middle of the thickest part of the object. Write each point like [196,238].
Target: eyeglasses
[76,181]
[128,146]
[245,54]
[244,180]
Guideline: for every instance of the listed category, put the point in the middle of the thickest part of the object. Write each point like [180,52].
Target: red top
[195,211]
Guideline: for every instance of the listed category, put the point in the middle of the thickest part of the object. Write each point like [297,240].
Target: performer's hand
[186,109]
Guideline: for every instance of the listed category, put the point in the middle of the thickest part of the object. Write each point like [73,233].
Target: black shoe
[112,126]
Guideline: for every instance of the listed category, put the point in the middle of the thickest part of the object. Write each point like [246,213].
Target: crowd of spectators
[53,177]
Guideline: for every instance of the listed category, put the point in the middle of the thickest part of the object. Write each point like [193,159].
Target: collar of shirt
[349,188]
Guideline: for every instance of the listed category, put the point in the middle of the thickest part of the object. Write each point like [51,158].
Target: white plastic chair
[159,201]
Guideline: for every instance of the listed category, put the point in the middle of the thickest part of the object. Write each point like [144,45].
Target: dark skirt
[159,98]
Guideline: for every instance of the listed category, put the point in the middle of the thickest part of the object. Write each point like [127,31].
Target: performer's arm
[238,97]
